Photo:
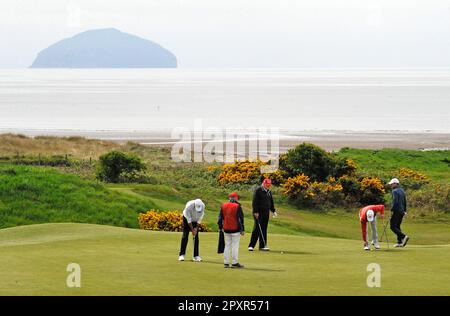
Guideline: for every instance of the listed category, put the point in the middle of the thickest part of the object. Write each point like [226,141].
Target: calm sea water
[316,99]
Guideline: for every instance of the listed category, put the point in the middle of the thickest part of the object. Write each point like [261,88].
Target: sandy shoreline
[329,140]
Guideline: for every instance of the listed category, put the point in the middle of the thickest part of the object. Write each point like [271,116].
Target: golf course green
[122,261]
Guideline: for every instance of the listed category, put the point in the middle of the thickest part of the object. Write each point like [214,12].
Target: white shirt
[191,213]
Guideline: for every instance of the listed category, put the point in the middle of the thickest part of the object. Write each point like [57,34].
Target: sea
[366,100]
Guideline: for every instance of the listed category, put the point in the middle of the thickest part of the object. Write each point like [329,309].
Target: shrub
[431,198]
[165,221]
[344,167]
[325,194]
[372,191]
[411,179]
[316,194]
[296,187]
[351,188]
[115,163]
[246,172]
[308,159]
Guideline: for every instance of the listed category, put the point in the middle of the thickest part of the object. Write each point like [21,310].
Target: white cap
[394,181]
[199,205]
[370,215]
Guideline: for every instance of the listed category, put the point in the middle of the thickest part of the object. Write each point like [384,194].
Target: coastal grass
[119,261]
[75,146]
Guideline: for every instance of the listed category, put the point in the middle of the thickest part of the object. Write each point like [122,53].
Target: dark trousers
[185,238]
[256,233]
[396,222]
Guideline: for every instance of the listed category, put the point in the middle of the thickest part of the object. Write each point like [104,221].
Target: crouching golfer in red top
[368,215]
[231,221]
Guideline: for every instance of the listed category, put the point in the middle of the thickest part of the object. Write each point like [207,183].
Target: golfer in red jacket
[231,222]
[368,215]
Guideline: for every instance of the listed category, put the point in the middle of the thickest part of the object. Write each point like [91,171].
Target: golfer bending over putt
[262,205]
[368,215]
[192,217]
[231,221]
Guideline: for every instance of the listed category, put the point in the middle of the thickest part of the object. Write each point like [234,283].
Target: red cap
[233,195]
[267,182]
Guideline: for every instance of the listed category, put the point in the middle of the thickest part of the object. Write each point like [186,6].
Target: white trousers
[231,244]
[373,225]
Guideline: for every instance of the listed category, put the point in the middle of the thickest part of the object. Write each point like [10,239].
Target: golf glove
[275,215]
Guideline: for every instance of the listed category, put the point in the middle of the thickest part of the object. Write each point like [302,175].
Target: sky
[244,33]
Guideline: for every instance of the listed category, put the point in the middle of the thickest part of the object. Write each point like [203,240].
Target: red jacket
[231,217]
[377,209]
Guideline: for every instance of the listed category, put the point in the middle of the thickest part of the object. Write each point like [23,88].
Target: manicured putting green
[119,261]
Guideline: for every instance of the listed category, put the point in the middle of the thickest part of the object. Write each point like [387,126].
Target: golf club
[385,233]
[260,230]
[384,230]
[193,237]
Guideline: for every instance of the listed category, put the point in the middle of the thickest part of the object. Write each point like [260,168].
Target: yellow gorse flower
[409,174]
[373,184]
[164,221]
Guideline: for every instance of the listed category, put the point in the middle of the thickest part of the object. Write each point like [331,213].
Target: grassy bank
[30,195]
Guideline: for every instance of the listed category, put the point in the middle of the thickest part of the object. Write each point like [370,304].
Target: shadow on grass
[245,268]
[288,252]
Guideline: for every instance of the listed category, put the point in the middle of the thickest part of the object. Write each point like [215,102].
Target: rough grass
[30,195]
[118,261]
[78,147]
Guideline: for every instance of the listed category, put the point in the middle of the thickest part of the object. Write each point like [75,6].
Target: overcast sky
[244,33]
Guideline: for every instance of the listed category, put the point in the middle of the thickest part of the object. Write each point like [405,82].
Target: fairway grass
[120,261]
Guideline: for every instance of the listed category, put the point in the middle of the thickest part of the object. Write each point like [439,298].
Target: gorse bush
[307,159]
[247,172]
[114,166]
[372,191]
[412,179]
[344,167]
[315,194]
[333,192]
[165,221]
[296,187]
[325,194]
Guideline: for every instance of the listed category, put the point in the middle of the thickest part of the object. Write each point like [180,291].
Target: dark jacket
[262,201]
[398,201]
[235,216]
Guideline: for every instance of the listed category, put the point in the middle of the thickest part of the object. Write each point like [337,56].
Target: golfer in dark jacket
[231,222]
[398,211]
[262,205]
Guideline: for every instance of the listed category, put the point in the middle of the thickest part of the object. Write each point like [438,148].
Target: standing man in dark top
[398,211]
[262,205]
